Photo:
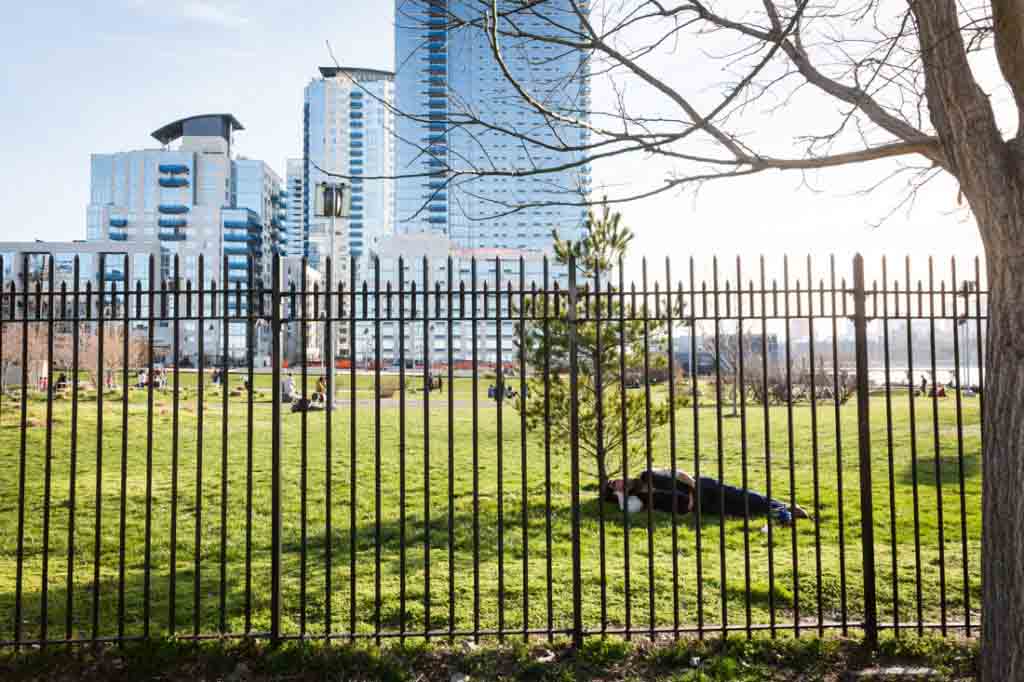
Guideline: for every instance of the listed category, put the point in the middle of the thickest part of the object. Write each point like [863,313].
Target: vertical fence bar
[427,386]
[937,457]
[741,387]
[601,470]
[148,547]
[123,511]
[376,447]
[172,578]
[250,337]
[696,449]
[22,450]
[814,439]
[720,449]
[648,447]
[476,457]
[499,447]
[69,607]
[790,440]
[451,448]
[225,390]
[867,508]
[275,452]
[547,462]
[841,507]
[574,407]
[98,509]
[673,459]
[522,449]
[197,583]
[980,347]
[298,316]
[624,437]
[401,448]
[912,392]
[328,357]
[960,449]
[48,466]
[353,455]
[890,448]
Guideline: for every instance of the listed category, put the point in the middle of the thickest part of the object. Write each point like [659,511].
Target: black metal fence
[452,485]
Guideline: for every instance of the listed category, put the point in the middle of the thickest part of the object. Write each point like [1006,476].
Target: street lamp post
[332,202]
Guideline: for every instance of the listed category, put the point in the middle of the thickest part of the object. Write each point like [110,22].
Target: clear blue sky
[100,76]
[84,77]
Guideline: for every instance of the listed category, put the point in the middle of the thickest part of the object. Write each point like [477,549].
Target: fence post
[275,459]
[867,517]
[574,407]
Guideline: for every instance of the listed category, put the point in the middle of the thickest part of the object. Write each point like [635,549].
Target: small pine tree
[610,356]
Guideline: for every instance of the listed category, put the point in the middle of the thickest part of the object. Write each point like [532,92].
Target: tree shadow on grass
[82,605]
[949,470]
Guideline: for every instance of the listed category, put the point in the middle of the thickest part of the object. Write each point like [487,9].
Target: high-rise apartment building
[194,200]
[348,123]
[447,76]
[296,242]
[410,262]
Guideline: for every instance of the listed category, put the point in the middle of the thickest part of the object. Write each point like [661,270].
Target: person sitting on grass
[679,492]
[320,395]
[287,389]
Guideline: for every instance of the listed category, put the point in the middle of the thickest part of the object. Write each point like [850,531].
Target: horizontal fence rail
[432,449]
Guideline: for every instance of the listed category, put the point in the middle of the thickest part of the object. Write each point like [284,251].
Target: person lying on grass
[679,492]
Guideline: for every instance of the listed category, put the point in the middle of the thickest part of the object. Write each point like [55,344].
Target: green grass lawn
[504,552]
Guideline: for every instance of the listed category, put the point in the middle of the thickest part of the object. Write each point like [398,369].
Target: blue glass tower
[347,131]
[445,71]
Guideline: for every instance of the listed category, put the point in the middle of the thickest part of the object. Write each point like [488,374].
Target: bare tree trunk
[991,175]
[1003,457]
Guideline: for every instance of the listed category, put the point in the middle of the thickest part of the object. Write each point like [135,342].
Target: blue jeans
[719,498]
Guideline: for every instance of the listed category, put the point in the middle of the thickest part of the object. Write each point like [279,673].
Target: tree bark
[1003,466]
[991,175]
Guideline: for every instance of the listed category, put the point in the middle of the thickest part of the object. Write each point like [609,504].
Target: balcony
[251,226]
[230,237]
[173,209]
[171,222]
[118,236]
[173,168]
[118,222]
[173,182]
[172,236]
[236,251]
